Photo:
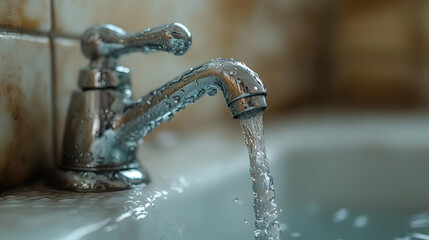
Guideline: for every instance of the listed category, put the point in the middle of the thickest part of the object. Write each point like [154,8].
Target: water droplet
[233,71]
[212,91]
[176,99]
[236,200]
[340,215]
[245,220]
[201,93]
[360,221]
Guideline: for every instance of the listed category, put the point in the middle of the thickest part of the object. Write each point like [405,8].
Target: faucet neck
[241,87]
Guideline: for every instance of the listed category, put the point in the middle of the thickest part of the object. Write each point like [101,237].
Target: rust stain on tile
[15,15]
[24,155]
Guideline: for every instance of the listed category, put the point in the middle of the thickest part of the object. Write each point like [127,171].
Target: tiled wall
[25,90]
[306,52]
[376,51]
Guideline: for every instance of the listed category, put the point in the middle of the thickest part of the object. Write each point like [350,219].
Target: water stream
[267,226]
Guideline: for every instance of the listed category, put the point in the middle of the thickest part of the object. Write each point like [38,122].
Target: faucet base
[90,181]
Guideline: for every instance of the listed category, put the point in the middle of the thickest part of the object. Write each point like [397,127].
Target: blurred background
[349,55]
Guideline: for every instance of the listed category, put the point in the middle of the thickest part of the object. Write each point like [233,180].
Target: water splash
[266,225]
[96,211]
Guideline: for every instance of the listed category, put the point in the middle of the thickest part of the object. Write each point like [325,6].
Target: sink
[354,177]
[337,176]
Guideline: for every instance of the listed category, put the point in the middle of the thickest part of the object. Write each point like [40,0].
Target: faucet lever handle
[109,42]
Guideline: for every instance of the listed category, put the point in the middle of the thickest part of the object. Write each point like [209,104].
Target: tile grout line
[36,33]
[51,37]
[24,31]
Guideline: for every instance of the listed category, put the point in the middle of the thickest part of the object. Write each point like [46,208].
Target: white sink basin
[336,177]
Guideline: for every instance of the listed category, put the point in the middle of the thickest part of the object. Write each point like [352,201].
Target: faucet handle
[109,42]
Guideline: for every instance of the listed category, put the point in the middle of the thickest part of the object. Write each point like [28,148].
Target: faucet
[104,125]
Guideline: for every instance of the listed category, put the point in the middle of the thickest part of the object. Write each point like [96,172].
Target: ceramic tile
[68,62]
[25,103]
[424,28]
[26,14]
[374,55]
[132,15]
[377,29]
[424,14]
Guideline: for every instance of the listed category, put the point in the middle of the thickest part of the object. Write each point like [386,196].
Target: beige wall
[376,53]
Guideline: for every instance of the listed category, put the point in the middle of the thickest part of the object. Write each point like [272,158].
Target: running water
[266,225]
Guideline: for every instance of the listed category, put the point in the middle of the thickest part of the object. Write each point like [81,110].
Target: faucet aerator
[248,105]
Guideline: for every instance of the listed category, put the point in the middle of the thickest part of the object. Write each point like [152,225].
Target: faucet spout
[242,88]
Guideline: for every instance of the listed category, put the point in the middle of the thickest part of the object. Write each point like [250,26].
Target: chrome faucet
[104,124]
